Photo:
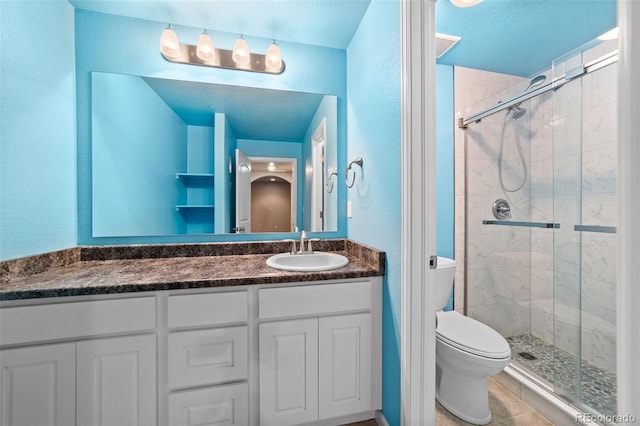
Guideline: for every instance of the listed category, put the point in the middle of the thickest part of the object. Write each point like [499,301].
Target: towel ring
[357,161]
[331,185]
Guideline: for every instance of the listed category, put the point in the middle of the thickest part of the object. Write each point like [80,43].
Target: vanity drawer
[310,300]
[220,405]
[25,324]
[194,310]
[203,357]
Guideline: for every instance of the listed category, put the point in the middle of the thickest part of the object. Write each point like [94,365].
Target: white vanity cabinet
[318,353]
[258,355]
[86,379]
[208,358]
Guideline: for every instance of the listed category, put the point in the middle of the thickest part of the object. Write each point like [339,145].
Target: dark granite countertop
[108,270]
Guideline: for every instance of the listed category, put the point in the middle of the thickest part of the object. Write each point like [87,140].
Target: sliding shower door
[585,161]
[543,274]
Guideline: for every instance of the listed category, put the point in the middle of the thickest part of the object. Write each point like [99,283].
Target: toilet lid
[471,336]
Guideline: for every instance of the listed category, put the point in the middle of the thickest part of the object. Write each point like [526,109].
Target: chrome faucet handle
[309,241]
[293,245]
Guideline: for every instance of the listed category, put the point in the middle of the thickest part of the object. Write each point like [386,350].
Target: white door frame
[317,179]
[243,193]
[418,354]
[628,268]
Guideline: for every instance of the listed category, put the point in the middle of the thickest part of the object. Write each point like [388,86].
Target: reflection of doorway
[271,204]
[273,194]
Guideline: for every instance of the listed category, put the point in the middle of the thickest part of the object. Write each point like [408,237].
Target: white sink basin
[307,262]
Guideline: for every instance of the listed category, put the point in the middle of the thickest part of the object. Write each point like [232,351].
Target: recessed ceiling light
[609,35]
[465,3]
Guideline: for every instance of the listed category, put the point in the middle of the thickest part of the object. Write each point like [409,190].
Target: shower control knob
[501,209]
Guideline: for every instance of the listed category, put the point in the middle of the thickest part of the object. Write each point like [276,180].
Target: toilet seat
[471,336]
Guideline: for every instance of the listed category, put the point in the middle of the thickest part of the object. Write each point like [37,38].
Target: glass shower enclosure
[539,210]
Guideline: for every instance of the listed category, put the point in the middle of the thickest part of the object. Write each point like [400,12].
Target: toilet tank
[445,273]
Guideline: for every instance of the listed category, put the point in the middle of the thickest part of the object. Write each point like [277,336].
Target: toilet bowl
[468,352]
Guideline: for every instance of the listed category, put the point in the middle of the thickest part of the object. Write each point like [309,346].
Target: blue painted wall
[141,144]
[110,43]
[37,128]
[445,164]
[373,112]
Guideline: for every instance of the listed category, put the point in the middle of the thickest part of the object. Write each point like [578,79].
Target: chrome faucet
[303,237]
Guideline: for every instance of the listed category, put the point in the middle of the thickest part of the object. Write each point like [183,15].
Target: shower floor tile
[558,368]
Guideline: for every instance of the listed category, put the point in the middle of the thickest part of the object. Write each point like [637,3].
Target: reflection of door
[243,193]
[317,179]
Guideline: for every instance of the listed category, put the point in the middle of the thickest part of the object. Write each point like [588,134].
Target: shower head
[517,112]
[536,81]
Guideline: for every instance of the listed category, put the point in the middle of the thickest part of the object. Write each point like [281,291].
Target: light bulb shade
[273,60]
[205,49]
[241,52]
[465,3]
[169,45]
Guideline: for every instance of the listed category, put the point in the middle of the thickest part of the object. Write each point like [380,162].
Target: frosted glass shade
[169,43]
[241,52]
[274,59]
[205,49]
[465,3]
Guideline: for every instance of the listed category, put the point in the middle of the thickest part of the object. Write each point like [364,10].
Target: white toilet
[467,353]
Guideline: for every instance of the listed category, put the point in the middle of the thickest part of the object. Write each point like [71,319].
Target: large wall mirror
[176,157]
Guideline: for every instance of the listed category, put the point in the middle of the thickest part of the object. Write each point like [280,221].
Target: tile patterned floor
[506,409]
[558,368]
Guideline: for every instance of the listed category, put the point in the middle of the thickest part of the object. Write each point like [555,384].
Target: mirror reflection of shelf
[193,207]
[195,177]
[196,182]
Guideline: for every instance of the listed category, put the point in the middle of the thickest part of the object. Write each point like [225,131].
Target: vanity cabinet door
[38,385]
[345,365]
[117,381]
[288,372]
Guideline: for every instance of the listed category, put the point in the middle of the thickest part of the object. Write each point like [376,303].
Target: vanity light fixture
[465,3]
[204,48]
[274,59]
[205,54]
[169,45]
[241,55]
